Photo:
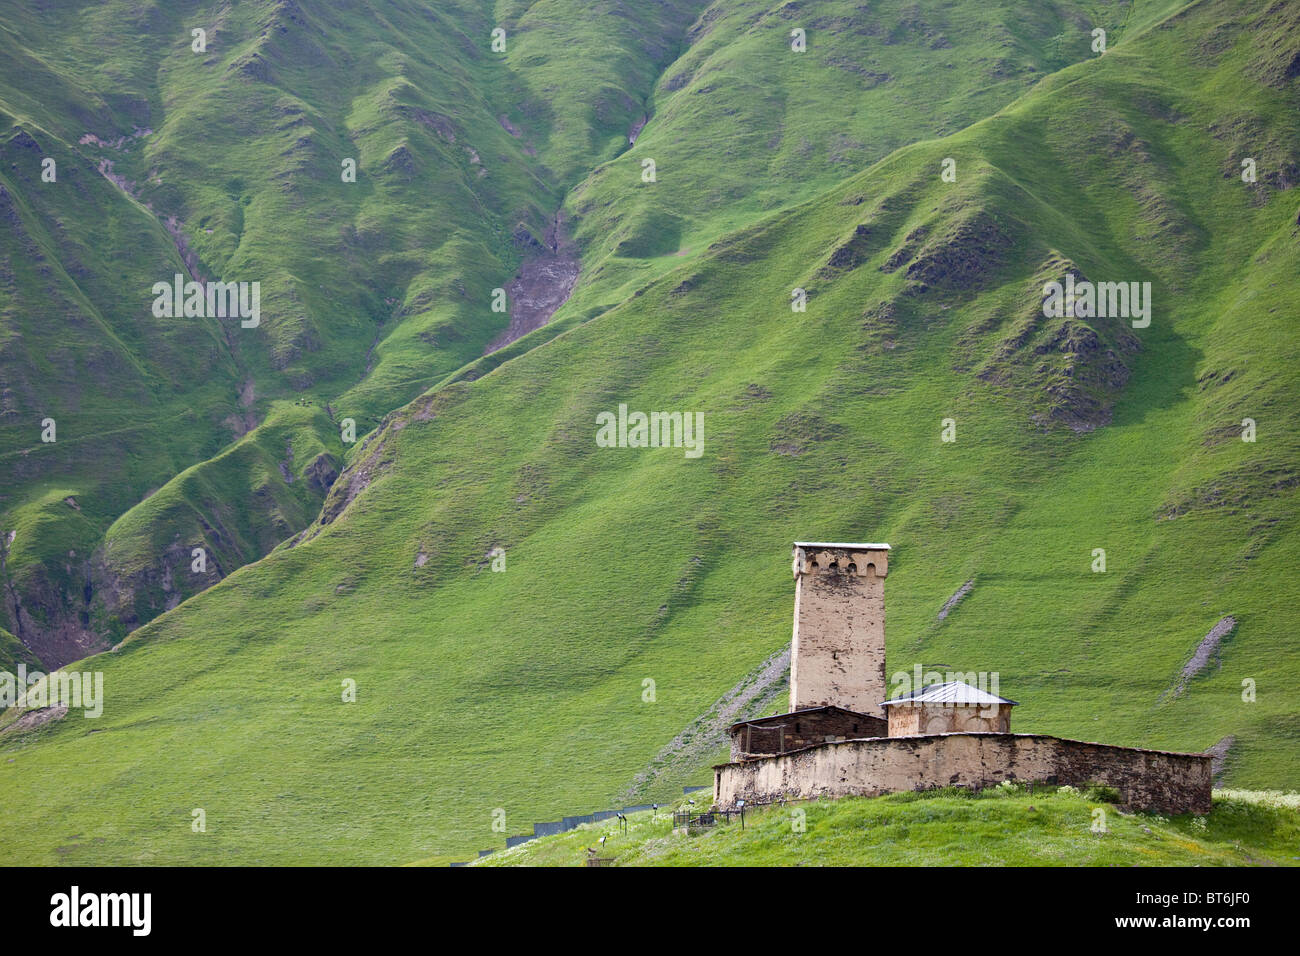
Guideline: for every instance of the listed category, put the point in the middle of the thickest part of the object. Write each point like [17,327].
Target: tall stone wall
[837,654]
[1146,779]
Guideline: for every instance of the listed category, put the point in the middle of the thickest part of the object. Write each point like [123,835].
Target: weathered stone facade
[948,734]
[1145,779]
[838,649]
[914,720]
[782,733]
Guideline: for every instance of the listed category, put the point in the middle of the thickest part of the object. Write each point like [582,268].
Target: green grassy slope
[78,352]
[524,690]
[785,125]
[997,827]
[13,652]
[230,160]
[227,164]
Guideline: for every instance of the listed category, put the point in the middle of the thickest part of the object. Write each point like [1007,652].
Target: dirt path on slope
[544,283]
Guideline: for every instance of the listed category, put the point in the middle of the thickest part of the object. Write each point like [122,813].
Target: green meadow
[1001,826]
[523,692]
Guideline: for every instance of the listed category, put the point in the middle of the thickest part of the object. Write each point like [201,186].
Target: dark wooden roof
[774,718]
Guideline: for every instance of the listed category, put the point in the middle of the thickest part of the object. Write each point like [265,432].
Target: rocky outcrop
[1069,370]
[543,284]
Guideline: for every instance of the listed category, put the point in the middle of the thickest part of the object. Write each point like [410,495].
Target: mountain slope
[228,163]
[525,690]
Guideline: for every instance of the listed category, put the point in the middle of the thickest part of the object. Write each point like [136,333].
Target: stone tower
[837,655]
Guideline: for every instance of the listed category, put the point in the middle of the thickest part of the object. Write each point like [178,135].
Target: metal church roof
[951,692]
[755,721]
[841,544]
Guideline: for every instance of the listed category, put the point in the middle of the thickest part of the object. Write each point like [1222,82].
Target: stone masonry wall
[912,720]
[838,648]
[1146,779]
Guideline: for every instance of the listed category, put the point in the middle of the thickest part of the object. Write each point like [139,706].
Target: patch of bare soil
[544,283]
[35,718]
[241,424]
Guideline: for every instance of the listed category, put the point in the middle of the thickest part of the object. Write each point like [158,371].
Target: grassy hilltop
[525,691]
[1000,826]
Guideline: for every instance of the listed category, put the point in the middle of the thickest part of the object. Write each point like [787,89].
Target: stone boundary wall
[1151,780]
